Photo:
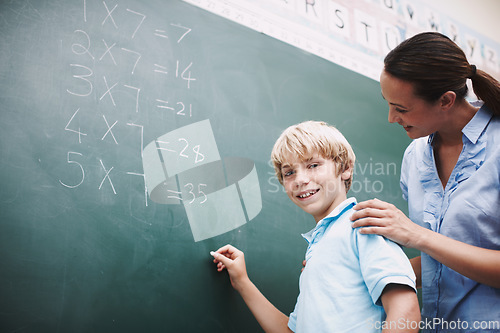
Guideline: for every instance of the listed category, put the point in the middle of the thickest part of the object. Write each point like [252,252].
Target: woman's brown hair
[434,64]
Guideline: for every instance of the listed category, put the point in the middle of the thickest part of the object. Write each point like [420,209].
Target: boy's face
[314,184]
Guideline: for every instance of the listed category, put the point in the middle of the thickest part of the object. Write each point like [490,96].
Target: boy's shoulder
[363,244]
[338,228]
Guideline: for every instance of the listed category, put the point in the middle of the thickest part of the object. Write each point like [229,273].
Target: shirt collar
[472,131]
[321,226]
[478,123]
[339,210]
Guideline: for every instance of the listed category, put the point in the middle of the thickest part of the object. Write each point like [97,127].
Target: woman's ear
[447,100]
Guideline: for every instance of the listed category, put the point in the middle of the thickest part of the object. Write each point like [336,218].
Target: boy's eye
[288,173]
[313,165]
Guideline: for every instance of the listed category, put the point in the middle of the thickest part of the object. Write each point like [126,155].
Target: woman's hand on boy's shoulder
[384,219]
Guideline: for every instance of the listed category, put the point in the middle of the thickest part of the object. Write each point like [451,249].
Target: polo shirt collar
[339,210]
[323,224]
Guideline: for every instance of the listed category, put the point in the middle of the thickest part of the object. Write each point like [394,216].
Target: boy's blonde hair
[313,137]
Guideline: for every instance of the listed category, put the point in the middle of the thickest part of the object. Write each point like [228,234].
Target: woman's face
[418,117]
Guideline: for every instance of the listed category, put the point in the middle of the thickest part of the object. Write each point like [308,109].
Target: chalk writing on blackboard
[184,167]
[90,47]
[107,64]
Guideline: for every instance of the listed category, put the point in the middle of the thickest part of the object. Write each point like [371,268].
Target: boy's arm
[268,316]
[401,306]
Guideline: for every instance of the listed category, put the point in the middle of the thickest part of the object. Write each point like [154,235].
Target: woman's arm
[381,218]
[268,316]
[416,264]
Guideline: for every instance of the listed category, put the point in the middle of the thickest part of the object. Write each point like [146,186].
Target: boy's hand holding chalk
[233,260]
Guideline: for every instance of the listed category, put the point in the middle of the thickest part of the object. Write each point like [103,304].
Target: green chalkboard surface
[134,139]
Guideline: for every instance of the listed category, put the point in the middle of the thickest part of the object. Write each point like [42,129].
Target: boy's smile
[314,184]
[307,194]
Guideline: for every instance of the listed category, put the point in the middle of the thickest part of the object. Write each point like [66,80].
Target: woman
[450,177]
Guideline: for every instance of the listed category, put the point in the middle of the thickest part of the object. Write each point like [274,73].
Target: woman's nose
[392,117]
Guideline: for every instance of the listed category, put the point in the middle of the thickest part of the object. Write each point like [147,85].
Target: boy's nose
[301,178]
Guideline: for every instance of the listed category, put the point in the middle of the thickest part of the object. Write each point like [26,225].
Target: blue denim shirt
[468,210]
[345,275]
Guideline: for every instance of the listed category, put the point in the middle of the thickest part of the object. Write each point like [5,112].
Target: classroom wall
[481,15]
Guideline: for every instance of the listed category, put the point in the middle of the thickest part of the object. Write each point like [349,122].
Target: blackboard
[98,99]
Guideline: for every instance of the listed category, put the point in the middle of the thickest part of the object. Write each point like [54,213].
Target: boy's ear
[347,173]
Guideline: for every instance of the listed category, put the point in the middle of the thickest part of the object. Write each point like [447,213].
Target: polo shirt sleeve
[382,262]
[292,319]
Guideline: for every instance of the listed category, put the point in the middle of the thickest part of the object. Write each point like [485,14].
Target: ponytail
[487,89]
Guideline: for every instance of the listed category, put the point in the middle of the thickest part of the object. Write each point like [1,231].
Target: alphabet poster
[355,34]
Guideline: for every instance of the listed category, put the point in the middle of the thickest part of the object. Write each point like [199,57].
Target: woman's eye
[401,110]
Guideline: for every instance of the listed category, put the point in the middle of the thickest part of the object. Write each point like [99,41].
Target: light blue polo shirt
[345,275]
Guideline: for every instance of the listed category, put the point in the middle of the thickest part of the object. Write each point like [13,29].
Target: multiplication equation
[111,62]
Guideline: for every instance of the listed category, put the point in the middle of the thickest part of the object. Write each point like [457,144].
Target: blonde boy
[350,278]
